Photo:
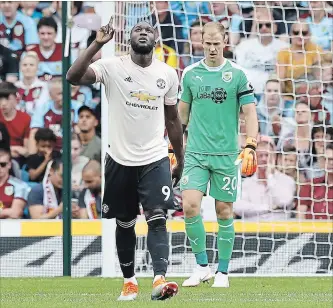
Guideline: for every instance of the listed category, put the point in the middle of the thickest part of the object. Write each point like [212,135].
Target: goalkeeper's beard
[142,50]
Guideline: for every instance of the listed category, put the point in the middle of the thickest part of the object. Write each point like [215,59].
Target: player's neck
[86,137]
[28,81]
[266,40]
[48,48]
[3,180]
[10,115]
[303,131]
[9,20]
[214,63]
[141,60]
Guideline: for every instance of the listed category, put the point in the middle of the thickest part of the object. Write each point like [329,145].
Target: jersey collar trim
[213,69]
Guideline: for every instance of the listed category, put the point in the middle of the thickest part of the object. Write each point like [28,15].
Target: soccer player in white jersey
[142,97]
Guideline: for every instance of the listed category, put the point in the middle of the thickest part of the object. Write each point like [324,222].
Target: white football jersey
[136,97]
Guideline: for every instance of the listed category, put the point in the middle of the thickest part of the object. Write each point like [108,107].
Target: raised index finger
[111,21]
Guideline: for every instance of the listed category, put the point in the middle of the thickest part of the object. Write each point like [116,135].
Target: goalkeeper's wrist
[251,143]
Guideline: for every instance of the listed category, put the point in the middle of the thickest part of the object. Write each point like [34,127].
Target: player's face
[5,165]
[8,105]
[329,160]
[47,36]
[300,35]
[56,94]
[56,177]
[44,147]
[143,38]
[213,44]
[289,163]
[264,155]
[87,121]
[302,114]
[9,8]
[92,180]
[29,67]
[76,149]
[272,94]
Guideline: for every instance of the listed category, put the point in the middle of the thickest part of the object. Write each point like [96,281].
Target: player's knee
[156,219]
[223,210]
[125,223]
[191,204]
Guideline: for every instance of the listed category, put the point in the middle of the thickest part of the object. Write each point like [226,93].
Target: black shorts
[128,186]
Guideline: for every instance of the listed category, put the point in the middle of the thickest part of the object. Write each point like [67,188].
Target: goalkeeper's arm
[248,155]
[184,113]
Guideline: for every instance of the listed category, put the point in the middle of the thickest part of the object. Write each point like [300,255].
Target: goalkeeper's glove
[248,157]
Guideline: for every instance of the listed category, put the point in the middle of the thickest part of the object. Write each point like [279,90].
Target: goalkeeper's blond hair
[213,26]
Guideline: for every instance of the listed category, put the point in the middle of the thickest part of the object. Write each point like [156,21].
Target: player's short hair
[6,89]
[272,78]
[54,82]
[47,22]
[211,25]
[142,21]
[93,165]
[5,151]
[45,134]
[30,54]
[76,136]
[289,149]
[56,164]
[329,146]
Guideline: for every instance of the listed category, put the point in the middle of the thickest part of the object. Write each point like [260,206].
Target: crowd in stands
[285,49]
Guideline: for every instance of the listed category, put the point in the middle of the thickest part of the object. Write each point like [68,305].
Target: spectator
[193,51]
[32,91]
[316,198]
[91,143]
[49,52]
[258,55]
[8,65]
[30,9]
[17,122]
[300,137]
[270,111]
[37,163]
[171,27]
[268,194]
[90,197]
[298,59]
[320,24]
[13,192]
[78,163]
[49,115]
[287,163]
[320,136]
[16,29]
[83,95]
[45,199]
[310,91]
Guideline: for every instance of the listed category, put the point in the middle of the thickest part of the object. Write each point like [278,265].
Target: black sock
[158,246]
[125,242]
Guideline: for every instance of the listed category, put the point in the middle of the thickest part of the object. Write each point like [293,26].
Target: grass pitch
[102,292]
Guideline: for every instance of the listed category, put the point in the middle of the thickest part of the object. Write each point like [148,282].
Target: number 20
[166,192]
[227,180]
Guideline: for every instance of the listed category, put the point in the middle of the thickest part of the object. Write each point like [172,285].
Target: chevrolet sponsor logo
[143,96]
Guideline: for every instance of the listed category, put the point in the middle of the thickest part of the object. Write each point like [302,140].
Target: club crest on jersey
[18,30]
[184,180]
[105,208]
[143,96]
[9,190]
[227,76]
[160,83]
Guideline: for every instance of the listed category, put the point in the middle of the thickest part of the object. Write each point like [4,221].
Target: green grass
[102,292]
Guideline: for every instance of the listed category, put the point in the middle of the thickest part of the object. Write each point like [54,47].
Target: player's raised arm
[80,73]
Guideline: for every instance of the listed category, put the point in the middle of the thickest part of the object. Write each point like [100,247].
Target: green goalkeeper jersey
[215,95]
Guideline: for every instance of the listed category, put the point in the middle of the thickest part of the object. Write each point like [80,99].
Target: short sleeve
[245,92]
[21,191]
[185,93]
[171,95]
[36,195]
[27,128]
[33,162]
[103,69]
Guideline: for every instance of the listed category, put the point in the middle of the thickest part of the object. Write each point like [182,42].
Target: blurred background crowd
[285,48]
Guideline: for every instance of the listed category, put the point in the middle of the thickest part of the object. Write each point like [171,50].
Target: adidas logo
[128,79]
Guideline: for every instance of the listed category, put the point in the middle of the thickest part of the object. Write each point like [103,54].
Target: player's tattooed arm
[184,112]
[80,73]
[251,120]
[175,134]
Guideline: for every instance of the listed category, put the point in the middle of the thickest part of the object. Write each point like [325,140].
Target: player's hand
[177,173]
[105,33]
[248,157]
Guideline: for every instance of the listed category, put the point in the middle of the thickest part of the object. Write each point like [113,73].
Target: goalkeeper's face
[213,43]
[143,38]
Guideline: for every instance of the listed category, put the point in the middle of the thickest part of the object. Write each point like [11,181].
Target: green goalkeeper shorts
[219,170]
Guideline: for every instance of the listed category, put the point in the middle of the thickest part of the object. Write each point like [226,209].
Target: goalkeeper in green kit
[211,95]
